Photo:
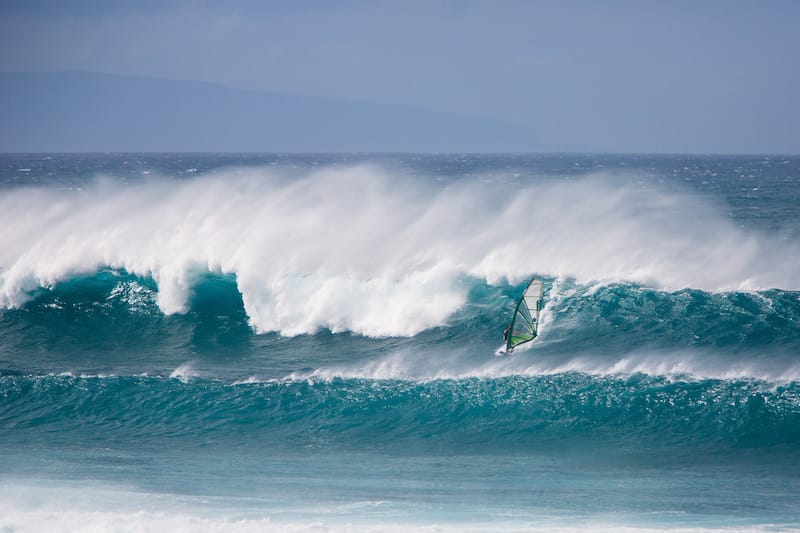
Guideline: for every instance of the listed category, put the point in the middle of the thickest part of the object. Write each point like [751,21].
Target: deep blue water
[232,341]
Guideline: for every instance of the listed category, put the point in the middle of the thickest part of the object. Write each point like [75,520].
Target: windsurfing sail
[524,326]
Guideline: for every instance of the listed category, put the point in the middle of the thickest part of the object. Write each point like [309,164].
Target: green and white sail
[524,325]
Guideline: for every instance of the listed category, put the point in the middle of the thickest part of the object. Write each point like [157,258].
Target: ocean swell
[503,414]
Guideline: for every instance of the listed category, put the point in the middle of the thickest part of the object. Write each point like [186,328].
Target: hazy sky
[638,76]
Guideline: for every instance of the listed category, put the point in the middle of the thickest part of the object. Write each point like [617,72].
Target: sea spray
[307,253]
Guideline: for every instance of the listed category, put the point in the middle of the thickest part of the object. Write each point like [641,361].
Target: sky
[615,76]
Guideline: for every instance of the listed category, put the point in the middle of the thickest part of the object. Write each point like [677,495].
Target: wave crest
[354,249]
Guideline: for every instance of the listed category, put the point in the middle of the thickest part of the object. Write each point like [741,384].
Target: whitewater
[308,342]
[376,256]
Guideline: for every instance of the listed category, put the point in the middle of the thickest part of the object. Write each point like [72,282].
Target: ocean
[282,342]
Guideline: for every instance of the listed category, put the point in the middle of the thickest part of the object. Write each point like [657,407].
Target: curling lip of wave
[308,253]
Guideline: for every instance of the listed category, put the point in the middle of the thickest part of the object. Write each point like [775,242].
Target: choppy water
[303,342]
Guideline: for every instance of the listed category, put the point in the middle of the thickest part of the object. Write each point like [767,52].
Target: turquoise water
[236,342]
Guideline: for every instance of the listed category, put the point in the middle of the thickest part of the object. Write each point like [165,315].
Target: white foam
[184,373]
[178,522]
[83,375]
[686,365]
[135,295]
[63,507]
[357,249]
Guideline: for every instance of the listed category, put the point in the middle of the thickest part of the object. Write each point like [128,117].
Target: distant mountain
[90,112]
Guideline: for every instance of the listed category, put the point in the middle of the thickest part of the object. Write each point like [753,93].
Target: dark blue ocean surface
[292,342]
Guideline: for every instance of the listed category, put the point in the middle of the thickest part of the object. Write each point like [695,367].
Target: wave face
[251,329]
[111,323]
[503,415]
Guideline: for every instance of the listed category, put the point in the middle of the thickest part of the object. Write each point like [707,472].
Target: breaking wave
[358,249]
